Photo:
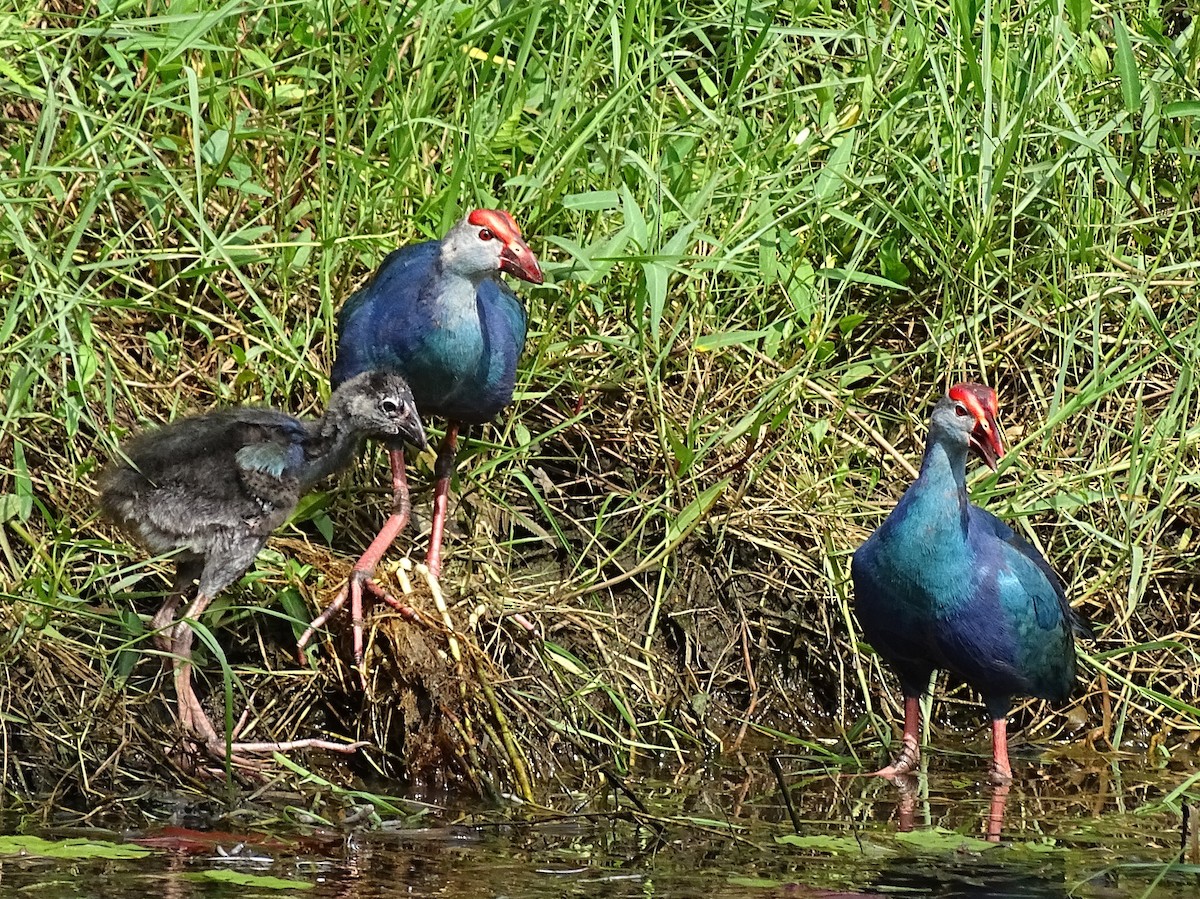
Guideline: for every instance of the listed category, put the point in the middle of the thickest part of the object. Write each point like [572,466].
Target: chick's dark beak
[411,429]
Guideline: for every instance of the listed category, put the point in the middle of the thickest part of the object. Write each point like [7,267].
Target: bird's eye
[389,406]
[486,234]
[960,411]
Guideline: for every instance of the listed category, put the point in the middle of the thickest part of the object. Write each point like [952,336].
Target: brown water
[1091,828]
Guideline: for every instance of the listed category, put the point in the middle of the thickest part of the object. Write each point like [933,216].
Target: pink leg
[441,496]
[996,813]
[910,752]
[906,808]
[1001,770]
[164,620]
[195,721]
[361,577]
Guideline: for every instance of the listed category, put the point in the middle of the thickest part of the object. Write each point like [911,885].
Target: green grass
[774,233]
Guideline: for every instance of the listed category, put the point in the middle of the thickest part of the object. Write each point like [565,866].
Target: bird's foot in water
[1000,777]
[905,763]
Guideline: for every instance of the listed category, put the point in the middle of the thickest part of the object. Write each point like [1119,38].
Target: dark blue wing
[377,324]
[982,521]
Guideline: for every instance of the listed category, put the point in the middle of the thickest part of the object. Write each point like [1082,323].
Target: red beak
[517,259]
[987,441]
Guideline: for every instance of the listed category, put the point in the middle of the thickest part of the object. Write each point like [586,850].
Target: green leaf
[1126,65]
[891,265]
[842,274]
[690,516]
[1181,109]
[1080,12]
[10,506]
[833,176]
[260,881]
[939,839]
[22,482]
[835,845]
[764,882]
[78,848]
[728,338]
[592,200]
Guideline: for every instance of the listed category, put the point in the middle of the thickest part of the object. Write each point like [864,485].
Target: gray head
[487,242]
[966,416]
[377,404]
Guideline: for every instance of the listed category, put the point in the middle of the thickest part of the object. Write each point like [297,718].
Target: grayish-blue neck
[945,461]
[333,446]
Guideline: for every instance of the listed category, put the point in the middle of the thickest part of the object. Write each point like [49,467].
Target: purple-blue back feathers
[396,322]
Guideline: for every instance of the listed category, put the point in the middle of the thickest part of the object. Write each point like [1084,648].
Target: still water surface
[1089,828]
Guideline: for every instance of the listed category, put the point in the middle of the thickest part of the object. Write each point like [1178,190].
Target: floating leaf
[261,881]
[939,839]
[754,882]
[818,842]
[78,848]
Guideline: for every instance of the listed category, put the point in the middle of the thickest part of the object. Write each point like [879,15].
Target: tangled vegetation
[773,232]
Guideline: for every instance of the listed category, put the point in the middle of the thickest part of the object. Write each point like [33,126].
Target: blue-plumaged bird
[944,584]
[211,489]
[439,314]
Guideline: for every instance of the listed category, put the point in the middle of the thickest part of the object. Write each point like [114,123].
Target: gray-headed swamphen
[212,488]
[438,314]
[943,584]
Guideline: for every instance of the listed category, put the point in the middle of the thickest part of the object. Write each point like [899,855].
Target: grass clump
[773,234]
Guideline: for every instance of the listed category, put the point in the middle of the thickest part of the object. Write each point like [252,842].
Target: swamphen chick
[943,584]
[438,314]
[212,488]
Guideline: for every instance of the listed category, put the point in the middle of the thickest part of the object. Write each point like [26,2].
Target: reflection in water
[1064,829]
[980,879]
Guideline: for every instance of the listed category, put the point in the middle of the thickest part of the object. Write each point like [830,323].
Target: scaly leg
[186,572]
[1001,770]
[443,470]
[995,822]
[195,720]
[910,752]
[361,577]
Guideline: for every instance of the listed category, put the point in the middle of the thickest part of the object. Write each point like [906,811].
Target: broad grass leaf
[1080,12]
[592,200]
[1126,66]
[22,482]
[690,516]
[566,659]
[1181,109]
[762,882]
[841,274]
[833,176]
[710,342]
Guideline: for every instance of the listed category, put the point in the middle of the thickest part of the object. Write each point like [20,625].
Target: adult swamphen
[943,584]
[437,313]
[212,488]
